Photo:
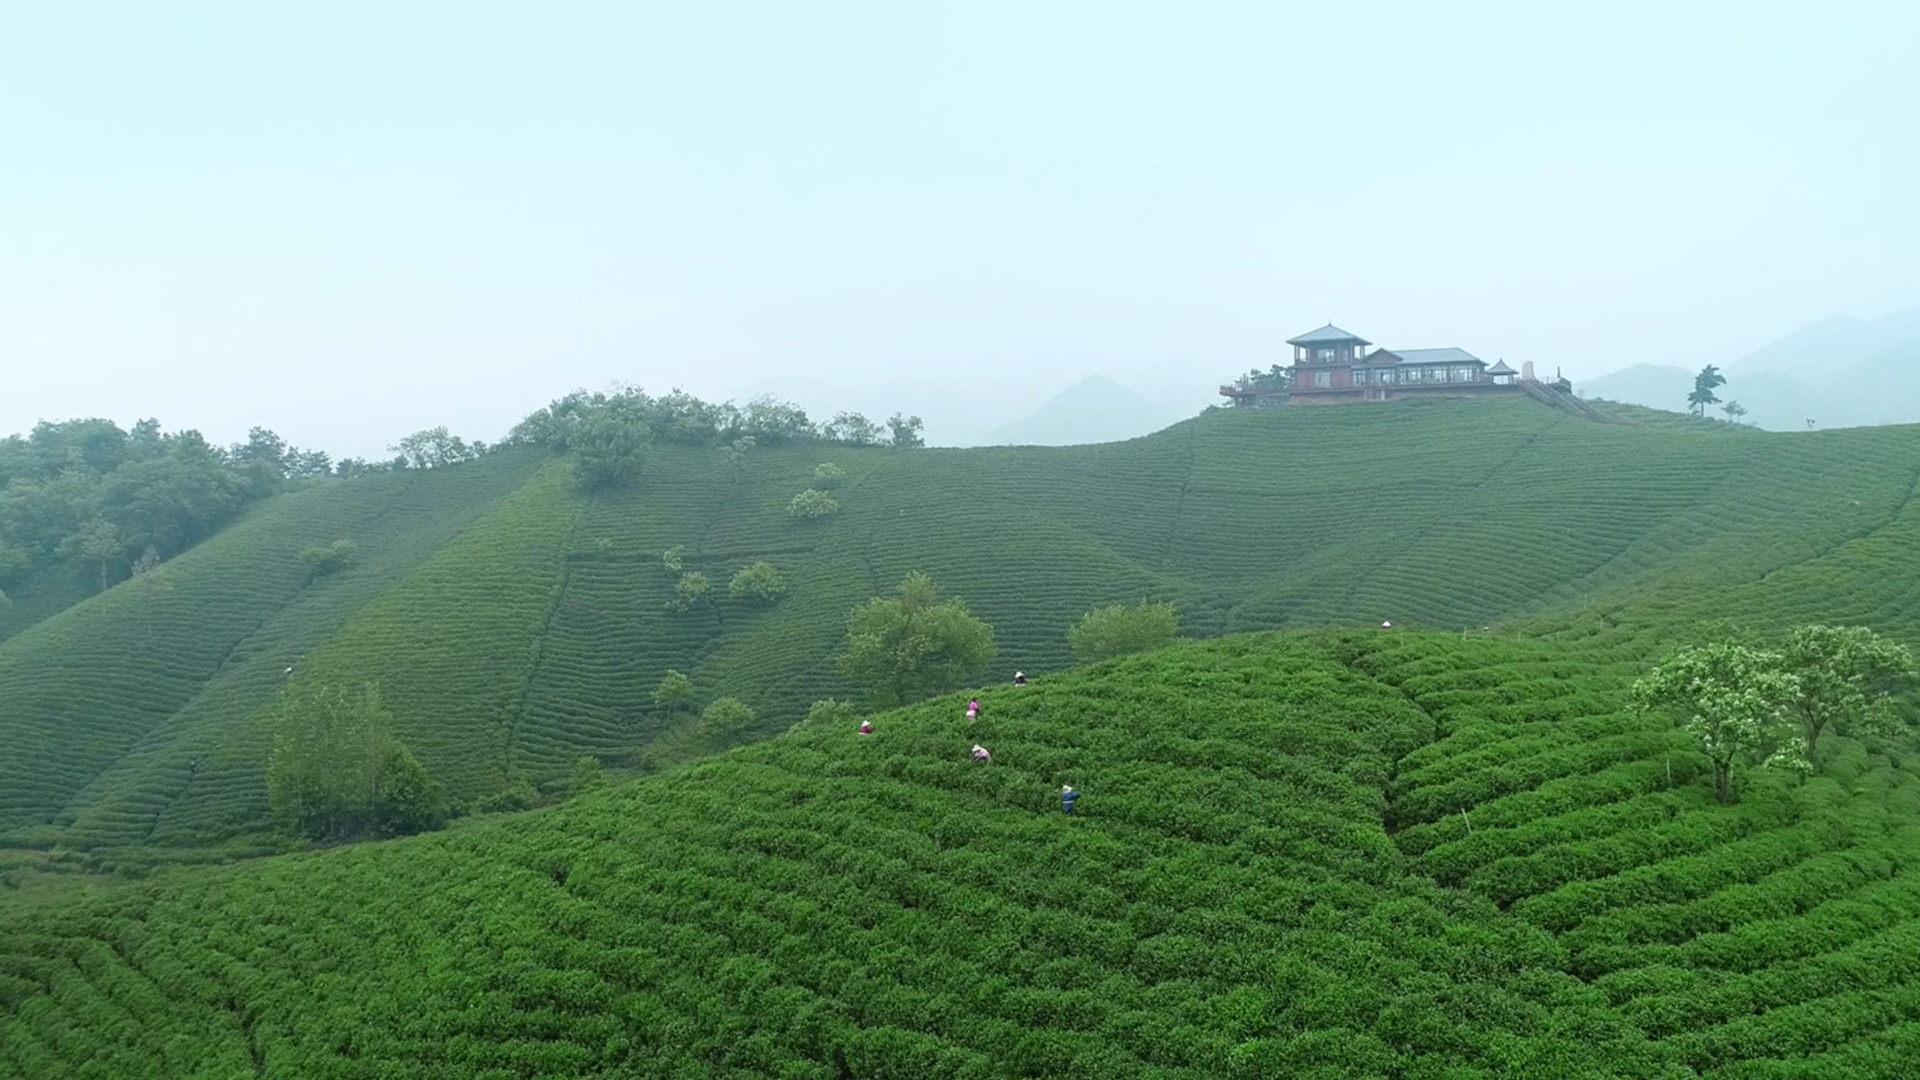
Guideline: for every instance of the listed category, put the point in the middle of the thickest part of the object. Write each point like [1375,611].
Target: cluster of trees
[759,582]
[1756,707]
[609,433]
[337,772]
[88,494]
[1277,379]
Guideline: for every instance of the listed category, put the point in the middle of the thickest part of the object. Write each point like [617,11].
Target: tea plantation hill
[1319,855]
[515,625]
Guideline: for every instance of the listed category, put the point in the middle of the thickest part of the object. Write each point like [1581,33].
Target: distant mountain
[1838,372]
[1830,345]
[1888,384]
[1094,410]
[1657,386]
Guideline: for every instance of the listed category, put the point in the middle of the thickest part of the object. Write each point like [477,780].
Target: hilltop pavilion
[1333,366]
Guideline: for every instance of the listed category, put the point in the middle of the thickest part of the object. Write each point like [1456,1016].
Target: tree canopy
[1119,629]
[915,644]
[336,771]
[1844,678]
[1734,700]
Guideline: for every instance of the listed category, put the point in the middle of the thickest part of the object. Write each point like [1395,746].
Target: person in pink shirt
[980,754]
[866,727]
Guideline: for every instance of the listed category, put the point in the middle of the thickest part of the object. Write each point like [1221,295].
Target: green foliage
[727,718]
[812,505]
[759,583]
[736,455]
[586,776]
[1119,629]
[515,625]
[609,445]
[674,558]
[907,647]
[336,771]
[827,475]
[1702,394]
[829,711]
[515,797]
[674,692]
[1733,699]
[1844,678]
[1251,892]
[694,589]
[853,429]
[434,448]
[904,432]
[324,559]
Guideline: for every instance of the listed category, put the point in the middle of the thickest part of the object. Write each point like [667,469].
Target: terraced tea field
[515,625]
[1322,855]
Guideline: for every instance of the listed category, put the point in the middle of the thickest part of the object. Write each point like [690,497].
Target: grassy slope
[1272,874]
[126,716]
[539,632]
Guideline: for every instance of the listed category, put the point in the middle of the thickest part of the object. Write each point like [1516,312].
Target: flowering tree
[1844,675]
[1732,698]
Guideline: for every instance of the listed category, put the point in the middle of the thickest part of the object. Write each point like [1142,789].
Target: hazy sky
[347,221]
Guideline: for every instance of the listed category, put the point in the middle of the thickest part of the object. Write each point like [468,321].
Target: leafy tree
[774,421]
[1703,387]
[675,691]
[325,559]
[827,475]
[904,432]
[811,505]
[1119,629]
[434,448]
[914,645]
[673,558]
[336,771]
[760,583]
[736,455]
[153,586]
[1844,678]
[1734,700]
[609,446]
[692,590]
[586,776]
[725,719]
[100,543]
[1734,411]
[853,429]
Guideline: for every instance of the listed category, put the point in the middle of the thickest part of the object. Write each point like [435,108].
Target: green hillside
[1375,854]
[514,624]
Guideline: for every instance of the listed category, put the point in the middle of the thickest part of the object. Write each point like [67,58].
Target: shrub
[675,691]
[726,718]
[671,558]
[1119,629]
[828,475]
[759,583]
[325,559]
[690,591]
[519,796]
[811,505]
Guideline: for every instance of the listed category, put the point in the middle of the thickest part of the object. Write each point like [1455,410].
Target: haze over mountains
[1838,372]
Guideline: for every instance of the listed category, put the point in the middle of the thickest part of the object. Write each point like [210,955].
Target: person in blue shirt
[1067,795]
